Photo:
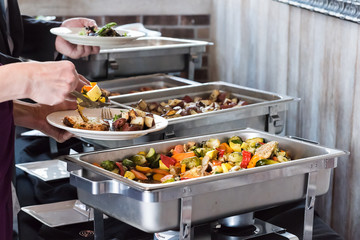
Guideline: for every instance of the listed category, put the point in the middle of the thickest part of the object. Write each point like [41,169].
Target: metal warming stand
[307,176]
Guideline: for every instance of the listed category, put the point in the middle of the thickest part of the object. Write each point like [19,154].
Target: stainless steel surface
[156,81]
[241,220]
[156,207]
[310,205]
[143,56]
[264,107]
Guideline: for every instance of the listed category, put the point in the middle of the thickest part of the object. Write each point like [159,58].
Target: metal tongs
[87,103]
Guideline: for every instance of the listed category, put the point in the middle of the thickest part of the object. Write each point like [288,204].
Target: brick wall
[177,26]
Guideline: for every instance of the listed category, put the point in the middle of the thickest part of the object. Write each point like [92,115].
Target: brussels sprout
[235,143]
[252,142]
[139,159]
[191,162]
[128,163]
[108,165]
[235,157]
[212,143]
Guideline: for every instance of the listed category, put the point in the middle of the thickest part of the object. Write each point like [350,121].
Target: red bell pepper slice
[121,168]
[168,161]
[221,152]
[246,159]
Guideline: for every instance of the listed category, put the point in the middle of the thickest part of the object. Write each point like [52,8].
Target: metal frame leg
[186,230]
[309,206]
[98,225]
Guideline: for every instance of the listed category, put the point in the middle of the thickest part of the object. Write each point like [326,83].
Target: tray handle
[96,186]
[303,139]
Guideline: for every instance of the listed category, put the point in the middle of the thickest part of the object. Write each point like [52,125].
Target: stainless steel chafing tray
[154,81]
[145,55]
[266,111]
[160,207]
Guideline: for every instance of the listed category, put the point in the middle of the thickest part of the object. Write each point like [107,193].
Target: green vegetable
[155,162]
[235,157]
[200,152]
[263,162]
[151,155]
[213,143]
[235,143]
[139,159]
[252,142]
[108,165]
[191,162]
[116,117]
[128,163]
[236,140]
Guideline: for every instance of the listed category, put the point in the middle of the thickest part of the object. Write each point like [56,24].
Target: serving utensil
[85,102]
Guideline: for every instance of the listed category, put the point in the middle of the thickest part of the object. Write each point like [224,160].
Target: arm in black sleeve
[6,59]
[39,43]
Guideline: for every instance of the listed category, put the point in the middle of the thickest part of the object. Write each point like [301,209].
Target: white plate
[56,119]
[47,170]
[61,213]
[72,35]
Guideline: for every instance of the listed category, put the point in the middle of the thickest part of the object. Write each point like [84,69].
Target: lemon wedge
[94,93]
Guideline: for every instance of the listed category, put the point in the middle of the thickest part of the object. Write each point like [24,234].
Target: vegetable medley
[193,160]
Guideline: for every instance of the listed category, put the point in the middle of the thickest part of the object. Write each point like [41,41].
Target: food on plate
[173,108]
[193,160]
[94,124]
[127,120]
[106,31]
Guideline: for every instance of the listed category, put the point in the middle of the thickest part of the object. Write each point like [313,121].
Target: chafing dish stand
[306,176]
[186,231]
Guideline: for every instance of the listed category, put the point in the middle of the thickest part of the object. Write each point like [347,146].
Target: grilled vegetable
[246,159]
[129,175]
[151,155]
[128,163]
[191,162]
[235,157]
[108,165]
[186,161]
[213,143]
[167,161]
[138,159]
[235,143]
[263,162]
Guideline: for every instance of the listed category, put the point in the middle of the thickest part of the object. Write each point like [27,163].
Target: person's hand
[34,116]
[72,50]
[51,82]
